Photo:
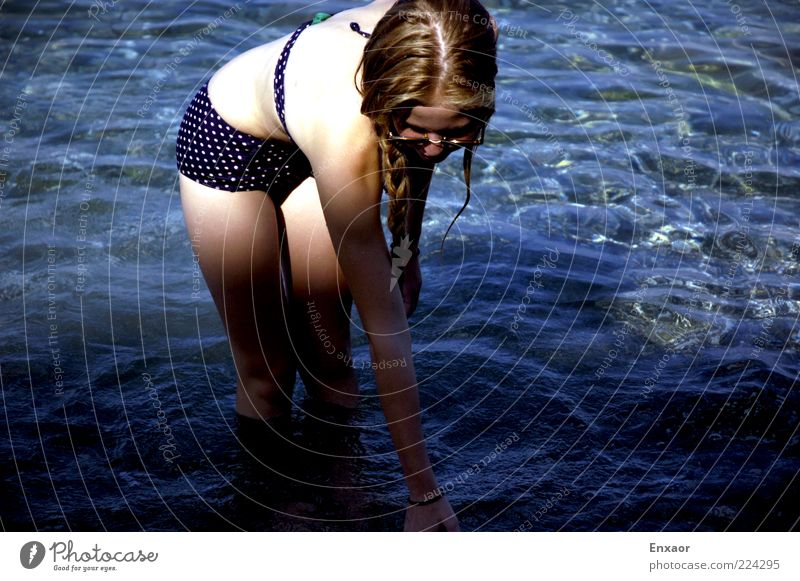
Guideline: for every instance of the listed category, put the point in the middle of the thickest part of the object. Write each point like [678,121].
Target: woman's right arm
[350,192]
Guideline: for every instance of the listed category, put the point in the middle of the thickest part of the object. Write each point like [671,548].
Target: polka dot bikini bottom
[215,154]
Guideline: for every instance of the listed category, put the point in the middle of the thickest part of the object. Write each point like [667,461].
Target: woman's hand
[435,517]
[410,284]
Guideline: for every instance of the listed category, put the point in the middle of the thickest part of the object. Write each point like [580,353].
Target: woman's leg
[235,236]
[321,302]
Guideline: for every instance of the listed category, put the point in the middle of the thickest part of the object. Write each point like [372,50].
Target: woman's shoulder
[322,96]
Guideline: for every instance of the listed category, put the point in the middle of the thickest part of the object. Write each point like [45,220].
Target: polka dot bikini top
[280,68]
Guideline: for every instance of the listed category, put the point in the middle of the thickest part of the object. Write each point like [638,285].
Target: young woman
[284,155]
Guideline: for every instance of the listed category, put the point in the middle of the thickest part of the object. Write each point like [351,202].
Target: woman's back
[319,79]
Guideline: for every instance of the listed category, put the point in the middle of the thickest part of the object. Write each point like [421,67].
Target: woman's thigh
[321,302]
[236,238]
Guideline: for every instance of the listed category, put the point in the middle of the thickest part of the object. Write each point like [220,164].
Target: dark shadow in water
[301,474]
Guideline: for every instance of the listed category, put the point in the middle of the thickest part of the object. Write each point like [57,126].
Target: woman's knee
[268,380]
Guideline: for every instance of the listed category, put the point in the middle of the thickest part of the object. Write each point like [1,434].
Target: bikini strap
[356,28]
[278,77]
[280,67]
[322,16]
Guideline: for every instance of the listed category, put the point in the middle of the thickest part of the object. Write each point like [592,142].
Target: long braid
[394,166]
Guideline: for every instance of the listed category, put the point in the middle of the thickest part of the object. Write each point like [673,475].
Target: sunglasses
[445,142]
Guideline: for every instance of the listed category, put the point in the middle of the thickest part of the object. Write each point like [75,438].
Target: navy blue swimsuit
[216,154]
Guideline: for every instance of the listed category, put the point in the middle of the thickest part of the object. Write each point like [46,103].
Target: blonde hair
[418,51]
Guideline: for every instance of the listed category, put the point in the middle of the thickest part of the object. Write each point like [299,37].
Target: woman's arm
[350,191]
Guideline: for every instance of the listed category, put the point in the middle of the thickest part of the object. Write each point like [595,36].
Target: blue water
[611,337]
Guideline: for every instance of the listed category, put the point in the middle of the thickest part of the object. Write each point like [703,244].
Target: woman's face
[437,122]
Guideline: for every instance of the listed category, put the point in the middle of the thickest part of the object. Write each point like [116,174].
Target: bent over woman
[284,155]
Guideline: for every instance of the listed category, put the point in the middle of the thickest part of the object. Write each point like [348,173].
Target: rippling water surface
[612,336]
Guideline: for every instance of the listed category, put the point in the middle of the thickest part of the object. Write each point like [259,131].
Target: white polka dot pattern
[215,154]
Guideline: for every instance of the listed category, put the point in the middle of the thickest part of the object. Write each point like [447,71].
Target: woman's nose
[433,149]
